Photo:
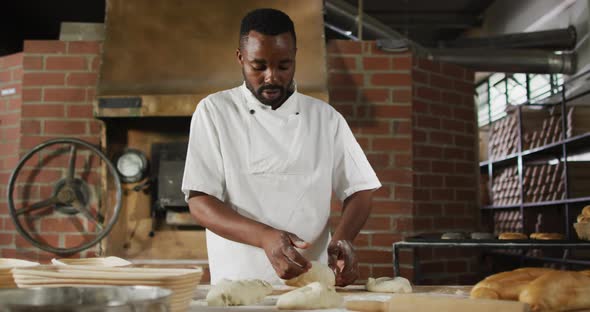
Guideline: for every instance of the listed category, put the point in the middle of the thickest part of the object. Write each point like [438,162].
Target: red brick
[82,79]
[44,79]
[32,62]
[84,47]
[429,65]
[347,110]
[362,240]
[403,192]
[6,239]
[14,104]
[450,97]
[380,271]
[428,209]
[430,180]
[441,138]
[31,95]
[467,88]
[443,166]
[64,127]
[343,63]
[95,126]
[95,63]
[344,47]
[429,152]
[406,256]
[44,46]
[402,63]
[460,181]
[380,160]
[464,140]
[454,209]
[442,194]
[59,225]
[402,160]
[10,119]
[392,144]
[441,110]
[12,60]
[43,110]
[422,165]
[64,95]
[5,76]
[66,63]
[390,111]
[370,127]
[467,195]
[443,223]
[420,106]
[403,224]
[377,63]
[391,207]
[423,224]
[340,80]
[11,134]
[385,240]
[342,95]
[72,240]
[389,79]
[428,93]
[466,168]
[401,95]
[419,136]
[428,122]
[420,76]
[453,70]
[464,114]
[402,127]
[375,95]
[469,75]
[453,125]
[80,111]
[17,74]
[375,256]
[441,81]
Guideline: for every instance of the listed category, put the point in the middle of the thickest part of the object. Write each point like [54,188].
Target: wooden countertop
[353,292]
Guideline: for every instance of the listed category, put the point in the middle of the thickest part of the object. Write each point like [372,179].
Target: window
[500,90]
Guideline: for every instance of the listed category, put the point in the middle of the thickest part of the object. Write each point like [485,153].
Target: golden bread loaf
[512,235]
[547,236]
[506,285]
[558,291]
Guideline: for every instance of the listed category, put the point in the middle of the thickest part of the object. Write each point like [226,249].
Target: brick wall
[444,166]
[58,87]
[11,72]
[416,122]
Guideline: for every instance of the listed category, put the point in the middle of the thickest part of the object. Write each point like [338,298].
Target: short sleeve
[351,172]
[203,169]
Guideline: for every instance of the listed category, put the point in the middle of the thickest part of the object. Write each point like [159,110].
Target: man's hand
[279,247]
[342,259]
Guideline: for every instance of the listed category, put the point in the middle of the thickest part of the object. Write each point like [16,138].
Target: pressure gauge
[132,165]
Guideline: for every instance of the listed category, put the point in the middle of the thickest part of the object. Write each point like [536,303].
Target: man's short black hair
[267,21]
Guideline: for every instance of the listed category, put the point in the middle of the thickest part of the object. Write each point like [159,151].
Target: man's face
[268,66]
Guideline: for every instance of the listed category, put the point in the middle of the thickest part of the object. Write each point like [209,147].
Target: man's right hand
[279,247]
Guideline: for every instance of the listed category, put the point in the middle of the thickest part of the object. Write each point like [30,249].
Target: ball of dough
[482,235]
[319,272]
[397,284]
[241,292]
[453,235]
[312,296]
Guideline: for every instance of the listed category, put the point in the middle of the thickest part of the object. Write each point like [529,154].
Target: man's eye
[283,67]
[259,68]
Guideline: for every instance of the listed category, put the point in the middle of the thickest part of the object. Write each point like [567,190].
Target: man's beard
[283,93]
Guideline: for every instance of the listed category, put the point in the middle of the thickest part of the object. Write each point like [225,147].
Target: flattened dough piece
[312,296]
[319,272]
[240,292]
[397,284]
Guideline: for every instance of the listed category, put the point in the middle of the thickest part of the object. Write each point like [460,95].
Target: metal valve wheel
[70,196]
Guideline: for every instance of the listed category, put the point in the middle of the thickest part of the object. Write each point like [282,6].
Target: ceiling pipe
[554,40]
[339,13]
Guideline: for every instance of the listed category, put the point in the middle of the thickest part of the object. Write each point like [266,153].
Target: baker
[263,161]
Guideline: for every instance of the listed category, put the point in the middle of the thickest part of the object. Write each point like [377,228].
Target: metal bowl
[87,299]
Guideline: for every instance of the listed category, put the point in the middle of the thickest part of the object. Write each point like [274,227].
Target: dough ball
[453,235]
[241,292]
[398,285]
[319,272]
[312,296]
[482,235]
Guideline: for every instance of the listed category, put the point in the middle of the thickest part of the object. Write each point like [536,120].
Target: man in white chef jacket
[263,161]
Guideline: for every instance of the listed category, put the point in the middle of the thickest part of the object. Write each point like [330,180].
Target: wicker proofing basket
[583,230]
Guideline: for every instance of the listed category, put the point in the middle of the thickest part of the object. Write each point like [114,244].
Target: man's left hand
[342,260]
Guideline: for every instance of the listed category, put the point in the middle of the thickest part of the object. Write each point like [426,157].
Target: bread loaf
[506,285]
[547,236]
[558,291]
[512,235]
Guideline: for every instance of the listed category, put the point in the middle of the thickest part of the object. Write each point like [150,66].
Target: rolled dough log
[319,272]
[241,292]
[312,296]
[397,284]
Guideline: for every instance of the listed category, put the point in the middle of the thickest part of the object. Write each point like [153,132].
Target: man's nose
[270,76]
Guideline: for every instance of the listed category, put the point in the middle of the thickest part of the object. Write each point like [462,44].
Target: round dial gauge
[131,166]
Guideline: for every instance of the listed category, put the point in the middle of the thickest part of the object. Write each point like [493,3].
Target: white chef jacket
[278,167]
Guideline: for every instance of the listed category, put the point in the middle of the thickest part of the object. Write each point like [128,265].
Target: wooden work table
[353,292]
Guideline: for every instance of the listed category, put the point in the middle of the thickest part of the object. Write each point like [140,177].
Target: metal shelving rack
[560,150]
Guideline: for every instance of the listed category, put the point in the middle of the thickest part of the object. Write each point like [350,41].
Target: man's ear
[239,56]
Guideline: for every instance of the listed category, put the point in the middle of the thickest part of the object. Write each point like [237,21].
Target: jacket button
[252,112]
